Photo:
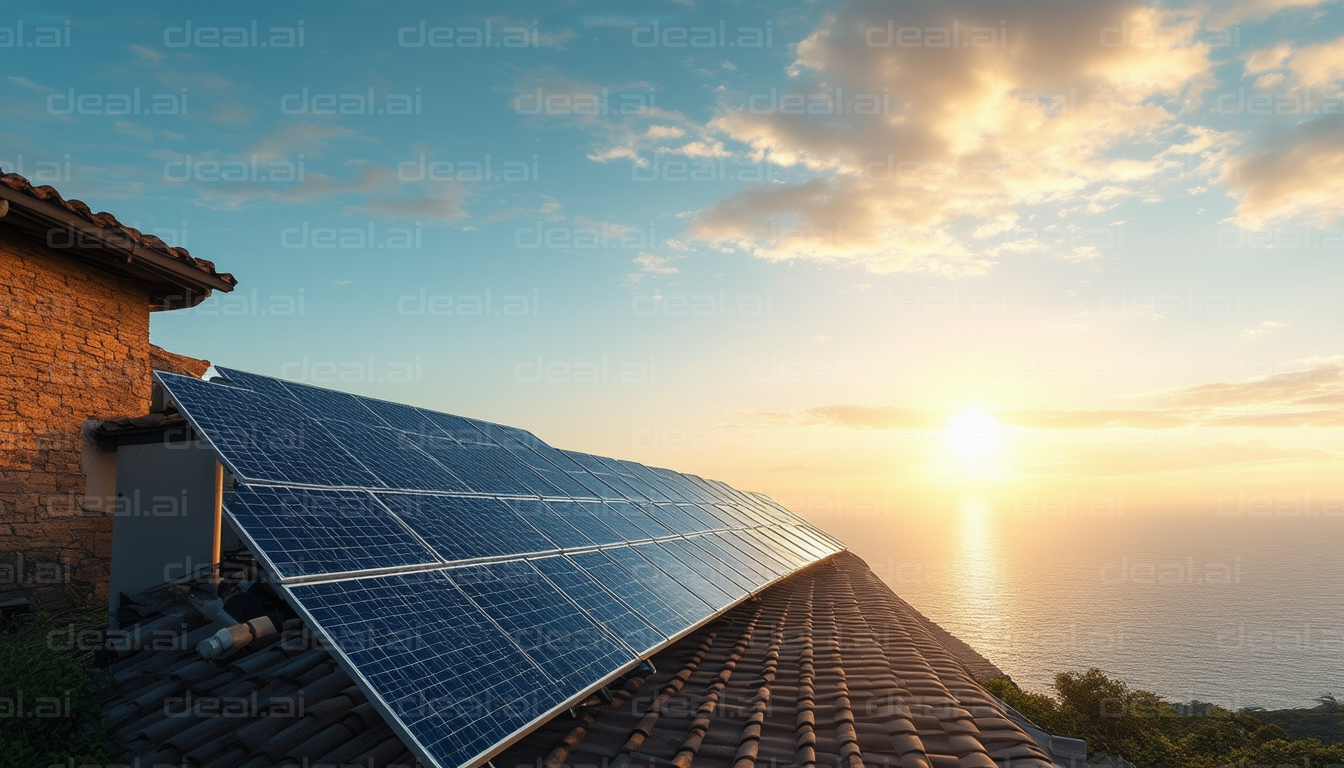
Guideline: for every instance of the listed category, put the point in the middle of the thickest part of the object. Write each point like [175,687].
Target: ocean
[1240,611]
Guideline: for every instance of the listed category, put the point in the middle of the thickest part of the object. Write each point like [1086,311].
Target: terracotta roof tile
[107,221]
[827,668]
[803,676]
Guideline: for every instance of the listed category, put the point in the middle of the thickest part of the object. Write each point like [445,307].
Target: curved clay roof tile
[106,220]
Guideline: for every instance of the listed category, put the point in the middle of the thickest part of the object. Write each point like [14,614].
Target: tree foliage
[1150,732]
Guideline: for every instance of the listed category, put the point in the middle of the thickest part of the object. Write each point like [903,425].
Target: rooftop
[827,667]
[177,278]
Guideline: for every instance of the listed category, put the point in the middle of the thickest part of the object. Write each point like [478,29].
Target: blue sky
[786,245]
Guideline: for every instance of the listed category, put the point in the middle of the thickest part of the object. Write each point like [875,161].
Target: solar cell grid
[524,447]
[687,573]
[476,465]
[623,525]
[568,646]
[391,458]
[791,556]
[620,489]
[305,532]
[467,527]
[692,608]
[723,575]
[714,545]
[439,665]
[641,597]
[762,551]
[672,517]
[724,517]
[744,553]
[703,519]
[651,478]
[643,487]
[647,523]
[551,524]
[600,603]
[264,438]
[429,548]
[580,515]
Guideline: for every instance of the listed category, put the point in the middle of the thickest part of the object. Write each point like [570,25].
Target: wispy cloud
[146,53]
[1312,396]
[1262,328]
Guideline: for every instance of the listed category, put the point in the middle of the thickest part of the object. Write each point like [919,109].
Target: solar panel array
[472,578]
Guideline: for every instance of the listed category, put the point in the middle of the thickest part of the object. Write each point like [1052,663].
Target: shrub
[48,713]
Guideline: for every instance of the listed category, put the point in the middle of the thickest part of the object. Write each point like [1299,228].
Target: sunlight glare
[973,434]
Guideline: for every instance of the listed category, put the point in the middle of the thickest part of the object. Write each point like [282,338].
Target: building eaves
[179,279]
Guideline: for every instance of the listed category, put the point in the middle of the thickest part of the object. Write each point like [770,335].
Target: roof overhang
[174,284]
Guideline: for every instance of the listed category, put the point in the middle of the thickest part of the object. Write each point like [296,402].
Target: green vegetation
[1325,721]
[48,714]
[1150,732]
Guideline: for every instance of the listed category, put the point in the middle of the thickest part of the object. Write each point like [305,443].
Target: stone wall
[74,347]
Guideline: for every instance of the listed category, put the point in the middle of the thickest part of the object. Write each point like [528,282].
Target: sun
[973,435]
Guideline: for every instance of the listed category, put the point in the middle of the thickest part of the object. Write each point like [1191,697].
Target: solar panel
[702,520]
[305,532]
[473,579]
[572,649]
[691,607]
[619,489]
[392,458]
[557,528]
[645,522]
[479,464]
[542,459]
[717,549]
[665,491]
[580,515]
[612,518]
[467,527]
[672,517]
[688,573]
[642,598]
[435,663]
[263,438]
[709,566]
[600,603]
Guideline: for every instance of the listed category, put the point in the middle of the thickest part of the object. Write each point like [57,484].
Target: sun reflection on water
[979,588]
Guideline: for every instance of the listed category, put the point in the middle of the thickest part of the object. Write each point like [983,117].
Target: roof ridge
[104,220]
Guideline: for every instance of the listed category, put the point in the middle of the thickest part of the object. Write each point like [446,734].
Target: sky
[1069,258]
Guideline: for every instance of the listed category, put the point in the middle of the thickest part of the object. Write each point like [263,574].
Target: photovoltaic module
[472,579]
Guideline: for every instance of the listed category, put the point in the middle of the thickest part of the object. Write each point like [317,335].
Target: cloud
[623,117]
[1128,460]
[1310,396]
[30,85]
[443,203]
[1314,378]
[549,210]
[145,53]
[923,152]
[134,130]
[654,264]
[846,417]
[1264,327]
[1318,66]
[1253,10]
[555,39]
[375,191]
[300,138]
[1296,176]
